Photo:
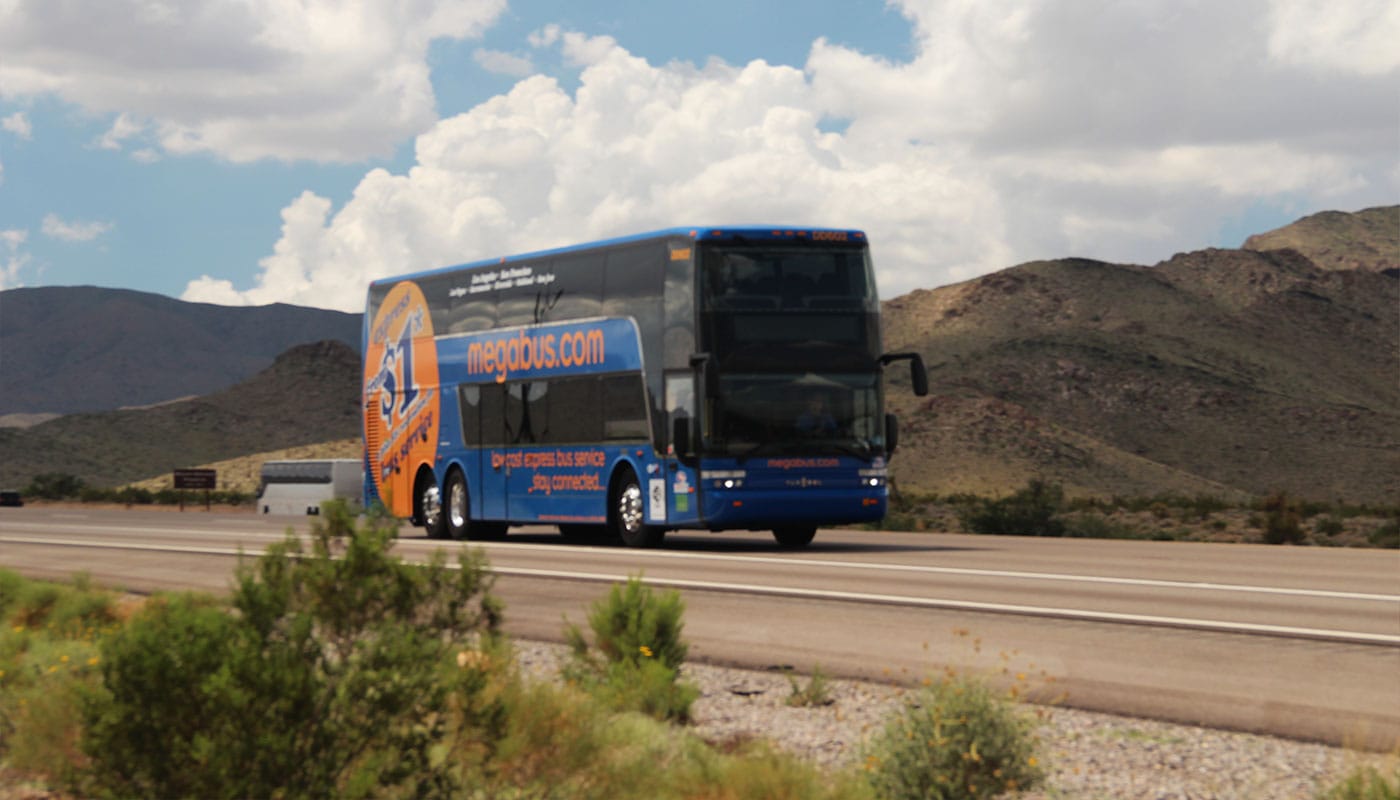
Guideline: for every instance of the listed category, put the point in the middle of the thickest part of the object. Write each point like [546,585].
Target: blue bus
[691,378]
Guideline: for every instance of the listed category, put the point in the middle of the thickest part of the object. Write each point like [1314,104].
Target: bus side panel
[401,396]
[561,484]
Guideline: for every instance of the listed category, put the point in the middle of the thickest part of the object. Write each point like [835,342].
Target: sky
[258,151]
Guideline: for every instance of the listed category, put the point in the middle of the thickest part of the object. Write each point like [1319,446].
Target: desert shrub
[133,496]
[1366,783]
[815,693]
[1387,535]
[638,634]
[1094,526]
[560,743]
[1282,523]
[1032,511]
[955,739]
[1329,526]
[48,661]
[328,681]
[54,486]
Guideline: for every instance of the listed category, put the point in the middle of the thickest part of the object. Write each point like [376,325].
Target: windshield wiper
[860,449]
[765,448]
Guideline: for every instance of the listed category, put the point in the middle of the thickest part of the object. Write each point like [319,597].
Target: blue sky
[290,150]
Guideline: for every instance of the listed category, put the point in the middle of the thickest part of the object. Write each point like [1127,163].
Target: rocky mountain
[1368,239]
[1222,372]
[309,395]
[66,349]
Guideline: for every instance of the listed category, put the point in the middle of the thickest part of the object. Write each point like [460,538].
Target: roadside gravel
[1086,754]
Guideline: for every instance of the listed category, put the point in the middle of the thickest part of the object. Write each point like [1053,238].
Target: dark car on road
[9,498]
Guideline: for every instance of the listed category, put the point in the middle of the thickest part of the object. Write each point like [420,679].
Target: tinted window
[559,411]
[624,407]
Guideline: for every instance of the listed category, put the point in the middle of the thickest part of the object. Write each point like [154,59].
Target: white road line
[536,547]
[821,594]
[989,573]
[1003,608]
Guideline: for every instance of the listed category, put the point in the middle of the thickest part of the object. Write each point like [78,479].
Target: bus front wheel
[628,514]
[795,535]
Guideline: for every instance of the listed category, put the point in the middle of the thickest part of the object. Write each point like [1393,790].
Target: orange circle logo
[401,395]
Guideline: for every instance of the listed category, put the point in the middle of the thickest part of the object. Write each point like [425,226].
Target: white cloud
[55,228]
[123,128]
[18,124]
[12,260]
[242,80]
[503,63]
[1016,131]
[1361,37]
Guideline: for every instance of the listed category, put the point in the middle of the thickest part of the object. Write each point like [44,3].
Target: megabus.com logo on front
[527,351]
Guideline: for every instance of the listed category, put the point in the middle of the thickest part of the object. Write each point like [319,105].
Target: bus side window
[493,414]
[624,407]
[469,401]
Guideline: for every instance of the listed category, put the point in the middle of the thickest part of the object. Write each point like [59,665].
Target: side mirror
[891,434]
[709,380]
[917,374]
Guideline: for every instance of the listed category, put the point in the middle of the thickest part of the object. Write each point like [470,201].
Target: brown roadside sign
[195,479]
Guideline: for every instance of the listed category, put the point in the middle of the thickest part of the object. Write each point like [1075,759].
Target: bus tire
[627,513]
[795,535]
[429,502]
[456,508]
[457,511]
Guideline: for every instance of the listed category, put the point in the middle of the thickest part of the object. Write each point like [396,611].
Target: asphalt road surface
[1300,642]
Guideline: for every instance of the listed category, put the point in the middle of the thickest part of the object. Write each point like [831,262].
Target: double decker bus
[691,378]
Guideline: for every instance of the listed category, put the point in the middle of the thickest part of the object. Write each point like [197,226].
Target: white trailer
[300,487]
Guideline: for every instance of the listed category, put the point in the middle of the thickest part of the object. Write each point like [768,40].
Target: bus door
[682,481]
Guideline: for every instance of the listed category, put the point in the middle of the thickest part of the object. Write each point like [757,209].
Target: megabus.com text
[525,352]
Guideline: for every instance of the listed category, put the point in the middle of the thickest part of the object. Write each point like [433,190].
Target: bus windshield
[776,414]
[793,331]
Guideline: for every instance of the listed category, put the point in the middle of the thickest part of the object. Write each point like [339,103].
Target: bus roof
[785,233]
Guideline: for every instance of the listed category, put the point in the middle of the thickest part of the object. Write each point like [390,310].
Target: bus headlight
[873,478]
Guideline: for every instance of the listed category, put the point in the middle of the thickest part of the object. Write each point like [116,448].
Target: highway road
[1300,642]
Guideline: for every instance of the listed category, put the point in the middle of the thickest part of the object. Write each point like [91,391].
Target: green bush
[328,681]
[1032,511]
[638,634]
[1329,526]
[558,743]
[54,486]
[954,739]
[1366,783]
[48,661]
[1386,535]
[815,693]
[1093,526]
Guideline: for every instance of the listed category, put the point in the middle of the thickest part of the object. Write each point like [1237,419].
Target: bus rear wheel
[795,535]
[628,514]
[430,507]
[458,512]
